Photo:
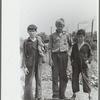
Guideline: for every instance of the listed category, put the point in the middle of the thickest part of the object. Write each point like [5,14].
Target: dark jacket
[30,52]
[81,56]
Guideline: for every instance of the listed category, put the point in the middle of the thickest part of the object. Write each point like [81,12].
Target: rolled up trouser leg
[86,85]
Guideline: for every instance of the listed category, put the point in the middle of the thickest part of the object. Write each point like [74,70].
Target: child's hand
[51,62]
[38,38]
[87,62]
[26,71]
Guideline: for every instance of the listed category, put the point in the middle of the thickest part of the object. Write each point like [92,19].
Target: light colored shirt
[59,42]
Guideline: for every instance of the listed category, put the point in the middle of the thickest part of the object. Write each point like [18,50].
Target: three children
[59,46]
[81,56]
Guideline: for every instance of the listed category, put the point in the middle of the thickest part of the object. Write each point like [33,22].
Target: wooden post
[92,28]
[51,30]
[78,26]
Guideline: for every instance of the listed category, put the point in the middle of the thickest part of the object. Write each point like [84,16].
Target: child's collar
[63,32]
[82,43]
[32,39]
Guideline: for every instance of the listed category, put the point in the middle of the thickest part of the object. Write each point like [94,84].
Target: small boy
[58,59]
[81,56]
[32,59]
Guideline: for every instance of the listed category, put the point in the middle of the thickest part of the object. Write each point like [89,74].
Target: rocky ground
[47,82]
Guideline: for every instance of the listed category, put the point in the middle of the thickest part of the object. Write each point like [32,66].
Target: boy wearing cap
[32,59]
[81,56]
[58,58]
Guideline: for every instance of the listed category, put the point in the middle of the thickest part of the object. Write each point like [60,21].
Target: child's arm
[41,50]
[69,41]
[72,54]
[24,59]
[40,41]
[41,46]
[50,51]
[90,54]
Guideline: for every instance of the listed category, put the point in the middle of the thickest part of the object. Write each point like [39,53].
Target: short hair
[32,27]
[60,21]
[81,32]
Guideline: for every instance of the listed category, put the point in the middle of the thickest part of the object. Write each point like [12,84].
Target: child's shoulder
[86,44]
[75,44]
[55,33]
[26,41]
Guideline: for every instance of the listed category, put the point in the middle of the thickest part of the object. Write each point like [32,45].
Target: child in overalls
[33,54]
[81,56]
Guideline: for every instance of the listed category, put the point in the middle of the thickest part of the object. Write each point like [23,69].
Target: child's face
[60,27]
[32,33]
[80,38]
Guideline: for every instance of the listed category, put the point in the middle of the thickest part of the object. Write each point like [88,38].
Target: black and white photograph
[54,50]
[58,49]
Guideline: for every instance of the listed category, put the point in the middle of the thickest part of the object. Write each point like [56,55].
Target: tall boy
[33,53]
[81,56]
[58,47]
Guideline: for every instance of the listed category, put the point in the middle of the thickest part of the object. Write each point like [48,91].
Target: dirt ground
[47,83]
[47,87]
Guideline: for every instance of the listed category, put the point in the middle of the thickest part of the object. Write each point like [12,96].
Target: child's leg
[28,86]
[75,80]
[38,71]
[74,96]
[55,73]
[86,85]
[62,73]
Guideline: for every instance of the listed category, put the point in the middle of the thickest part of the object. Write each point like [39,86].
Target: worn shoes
[73,97]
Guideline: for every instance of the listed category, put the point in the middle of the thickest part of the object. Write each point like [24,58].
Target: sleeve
[24,55]
[72,54]
[70,41]
[41,50]
[90,54]
[40,41]
[50,42]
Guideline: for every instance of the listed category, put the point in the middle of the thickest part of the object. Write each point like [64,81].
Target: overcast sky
[44,13]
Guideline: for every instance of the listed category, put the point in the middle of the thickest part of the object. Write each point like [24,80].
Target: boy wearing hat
[58,51]
[81,56]
[32,59]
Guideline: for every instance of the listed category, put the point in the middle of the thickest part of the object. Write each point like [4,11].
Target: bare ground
[47,83]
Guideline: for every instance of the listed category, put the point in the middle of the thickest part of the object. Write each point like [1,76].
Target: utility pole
[92,27]
[78,26]
[51,30]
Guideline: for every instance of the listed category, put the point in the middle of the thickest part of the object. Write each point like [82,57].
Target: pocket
[29,62]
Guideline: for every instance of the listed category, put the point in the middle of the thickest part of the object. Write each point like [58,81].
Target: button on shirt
[59,42]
